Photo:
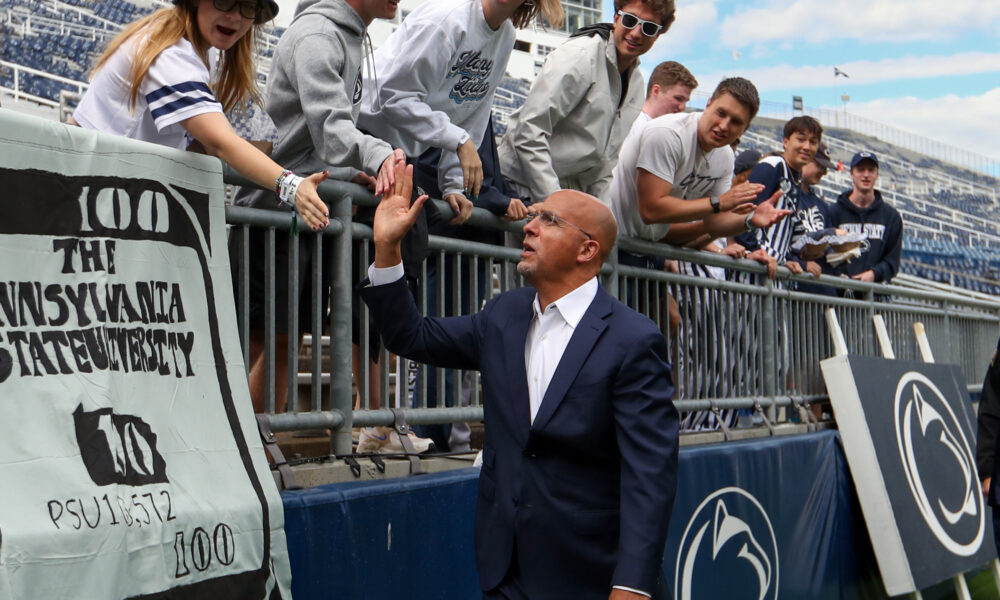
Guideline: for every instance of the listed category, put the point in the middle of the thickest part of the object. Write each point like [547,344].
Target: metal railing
[753,343]
[17,90]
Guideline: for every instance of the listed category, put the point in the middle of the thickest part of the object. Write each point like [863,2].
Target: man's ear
[588,251]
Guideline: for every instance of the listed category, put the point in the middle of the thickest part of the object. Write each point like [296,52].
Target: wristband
[716,204]
[748,225]
[462,140]
[289,186]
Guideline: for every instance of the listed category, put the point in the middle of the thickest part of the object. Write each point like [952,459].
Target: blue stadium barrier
[413,537]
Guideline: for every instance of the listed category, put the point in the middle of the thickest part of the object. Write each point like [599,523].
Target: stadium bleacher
[64,38]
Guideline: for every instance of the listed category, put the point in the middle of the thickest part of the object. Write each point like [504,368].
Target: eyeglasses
[551,218]
[259,12]
[649,28]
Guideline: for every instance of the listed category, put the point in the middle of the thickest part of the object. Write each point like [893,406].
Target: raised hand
[395,214]
[738,196]
[766,214]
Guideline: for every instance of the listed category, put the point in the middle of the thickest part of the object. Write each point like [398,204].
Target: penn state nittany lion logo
[785,185]
[939,464]
[357,88]
[728,533]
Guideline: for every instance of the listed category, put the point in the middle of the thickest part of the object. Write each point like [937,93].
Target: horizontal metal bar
[420,416]
[280,220]
[327,419]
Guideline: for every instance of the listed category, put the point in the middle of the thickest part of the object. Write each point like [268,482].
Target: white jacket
[568,132]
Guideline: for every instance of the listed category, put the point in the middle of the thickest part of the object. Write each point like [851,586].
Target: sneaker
[385,440]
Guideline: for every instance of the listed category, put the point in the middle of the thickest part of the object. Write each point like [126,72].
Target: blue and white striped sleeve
[176,87]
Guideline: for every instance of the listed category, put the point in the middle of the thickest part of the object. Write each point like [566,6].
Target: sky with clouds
[924,66]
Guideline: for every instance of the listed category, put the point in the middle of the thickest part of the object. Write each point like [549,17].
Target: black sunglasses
[649,28]
[551,218]
[260,12]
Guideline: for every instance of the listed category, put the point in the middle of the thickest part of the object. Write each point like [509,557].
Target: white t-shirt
[175,88]
[622,180]
[667,148]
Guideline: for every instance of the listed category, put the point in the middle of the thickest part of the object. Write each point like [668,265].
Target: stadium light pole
[845,98]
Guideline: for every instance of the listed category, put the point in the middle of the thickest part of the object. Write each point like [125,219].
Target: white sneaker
[385,440]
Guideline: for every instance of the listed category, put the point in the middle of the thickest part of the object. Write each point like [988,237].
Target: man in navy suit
[580,458]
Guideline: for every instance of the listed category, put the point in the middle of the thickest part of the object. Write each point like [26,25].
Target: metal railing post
[867,335]
[769,349]
[946,311]
[340,321]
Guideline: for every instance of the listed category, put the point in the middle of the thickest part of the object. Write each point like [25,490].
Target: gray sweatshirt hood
[335,10]
[314,95]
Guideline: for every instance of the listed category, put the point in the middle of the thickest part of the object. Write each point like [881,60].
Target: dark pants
[511,588]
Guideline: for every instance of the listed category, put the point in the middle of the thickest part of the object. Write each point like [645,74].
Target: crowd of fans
[589,123]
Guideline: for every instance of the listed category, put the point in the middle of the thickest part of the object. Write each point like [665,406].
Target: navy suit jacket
[586,491]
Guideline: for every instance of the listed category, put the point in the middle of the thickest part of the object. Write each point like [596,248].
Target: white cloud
[863,20]
[695,20]
[788,77]
[970,123]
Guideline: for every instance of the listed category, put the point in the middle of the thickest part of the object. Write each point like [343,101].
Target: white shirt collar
[573,305]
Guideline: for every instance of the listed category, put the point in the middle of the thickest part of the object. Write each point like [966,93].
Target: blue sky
[930,67]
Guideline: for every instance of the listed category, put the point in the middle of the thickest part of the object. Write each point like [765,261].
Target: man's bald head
[589,213]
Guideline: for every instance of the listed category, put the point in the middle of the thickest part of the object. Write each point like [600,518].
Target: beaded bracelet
[279,179]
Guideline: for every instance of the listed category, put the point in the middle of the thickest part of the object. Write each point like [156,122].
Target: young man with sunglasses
[569,130]
[580,464]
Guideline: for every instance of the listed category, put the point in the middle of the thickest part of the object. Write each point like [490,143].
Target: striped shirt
[775,174]
[176,88]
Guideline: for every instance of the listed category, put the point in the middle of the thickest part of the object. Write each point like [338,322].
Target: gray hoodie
[314,94]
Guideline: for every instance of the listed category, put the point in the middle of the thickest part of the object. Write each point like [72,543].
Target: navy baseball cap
[865,155]
[747,160]
[267,9]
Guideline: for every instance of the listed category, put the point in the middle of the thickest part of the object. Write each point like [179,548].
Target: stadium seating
[65,37]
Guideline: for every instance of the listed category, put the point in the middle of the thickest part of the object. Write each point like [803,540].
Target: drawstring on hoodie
[376,104]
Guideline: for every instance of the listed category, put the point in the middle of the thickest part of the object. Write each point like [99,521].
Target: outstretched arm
[215,133]
[442,342]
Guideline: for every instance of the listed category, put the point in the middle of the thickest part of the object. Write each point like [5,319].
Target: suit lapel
[515,334]
[581,343]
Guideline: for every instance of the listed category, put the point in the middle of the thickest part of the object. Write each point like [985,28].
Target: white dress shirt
[548,336]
